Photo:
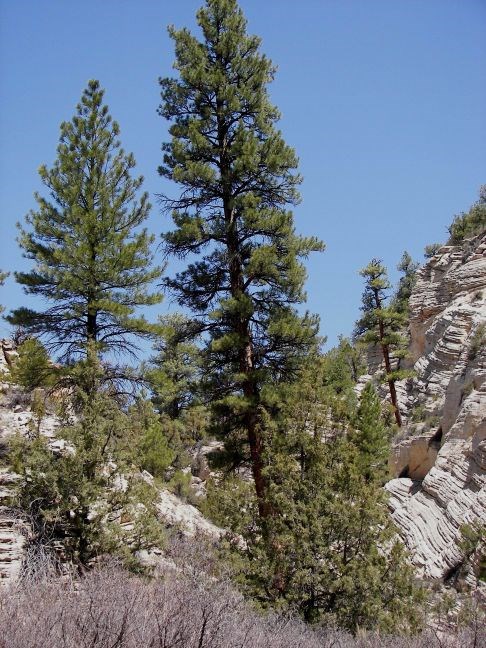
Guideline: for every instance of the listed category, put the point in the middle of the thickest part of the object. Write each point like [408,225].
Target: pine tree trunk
[241,324]
[250,390]
[386,357]
[254,436]
[91,328]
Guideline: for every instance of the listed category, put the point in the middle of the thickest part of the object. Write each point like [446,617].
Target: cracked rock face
[440,463]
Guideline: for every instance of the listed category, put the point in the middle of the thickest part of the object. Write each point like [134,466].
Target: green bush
[470,223]
[431,250]
[33,367]
[82,495]
[156,455]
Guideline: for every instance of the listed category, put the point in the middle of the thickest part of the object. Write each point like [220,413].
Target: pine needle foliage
[91,259]
[176,371]
[382,325]
[233,224]
[371,437]
[329,550]
[175,375]
[80,494]
[32,368]
[408,268]
[469,223]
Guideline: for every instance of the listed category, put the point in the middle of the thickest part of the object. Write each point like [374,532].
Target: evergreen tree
[345,366]
[371,437]
[431,250]
[238,180]
[175,376]
[153,451]
[408,267]
[92,264]
[382,325]
[32,368]
[77,495]
[175,373]
[332,552]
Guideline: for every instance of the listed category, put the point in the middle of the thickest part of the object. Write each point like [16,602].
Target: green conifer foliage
[80,494]
[32,368]
[175,375]
[431,250]
[331,552]
[381,325]
[153,453]
[408,267]
[3,276]
[92,262]
[371,437]
[175,372]
[238,180]
[470,223]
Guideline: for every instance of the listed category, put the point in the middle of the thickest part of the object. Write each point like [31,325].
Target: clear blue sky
[383,100]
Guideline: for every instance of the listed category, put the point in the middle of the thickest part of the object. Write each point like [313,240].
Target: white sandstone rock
[447,462]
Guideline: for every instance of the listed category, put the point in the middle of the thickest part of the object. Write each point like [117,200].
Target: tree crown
[92,262]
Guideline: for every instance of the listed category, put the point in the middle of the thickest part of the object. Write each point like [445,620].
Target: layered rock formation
[12,540]
[440,461]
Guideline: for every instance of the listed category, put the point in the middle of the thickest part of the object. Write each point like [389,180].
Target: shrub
[32,368]
[183,609]
[431,250]
[180,485]
[478,341]
[79,497]
[470,223]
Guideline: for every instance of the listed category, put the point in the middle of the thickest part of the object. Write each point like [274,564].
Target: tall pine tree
[238,180]
[381,325]
[92,262]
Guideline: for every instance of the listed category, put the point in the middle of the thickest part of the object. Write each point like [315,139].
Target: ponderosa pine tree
[238,181]
[381,325]
[175,372]
[92,262]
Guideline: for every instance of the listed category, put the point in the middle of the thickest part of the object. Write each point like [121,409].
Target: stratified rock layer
[441,461]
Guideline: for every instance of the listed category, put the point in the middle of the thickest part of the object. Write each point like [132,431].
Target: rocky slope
[16,417]
[440,461]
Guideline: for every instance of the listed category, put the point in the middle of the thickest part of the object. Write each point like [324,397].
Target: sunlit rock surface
[440,462]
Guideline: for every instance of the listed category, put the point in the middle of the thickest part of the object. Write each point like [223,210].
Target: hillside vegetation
[238,432]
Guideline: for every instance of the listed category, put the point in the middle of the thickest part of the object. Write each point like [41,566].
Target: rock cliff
[440,459]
